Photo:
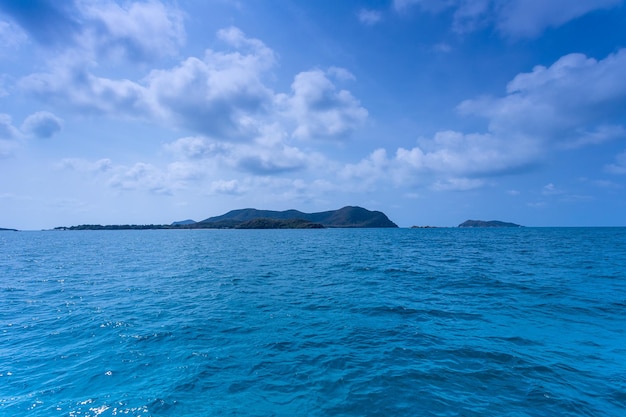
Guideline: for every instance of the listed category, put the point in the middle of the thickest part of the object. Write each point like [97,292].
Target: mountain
[491,223]
[184,222]
[348,216]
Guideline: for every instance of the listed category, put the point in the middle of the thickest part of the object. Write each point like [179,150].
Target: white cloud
[232,187]
[71,85]
[222,95]
[570,103]
[142,176]
[458,184]
[369,17]
[512,18]
[137,31]
[261,157]
[320,110]
[528,18]
[11,35]
[7,130]
[42,124]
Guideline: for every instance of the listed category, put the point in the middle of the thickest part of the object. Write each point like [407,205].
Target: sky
[431,111]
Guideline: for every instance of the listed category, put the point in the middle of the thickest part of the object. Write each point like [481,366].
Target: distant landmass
[346,217]
[7,230]
[491,223]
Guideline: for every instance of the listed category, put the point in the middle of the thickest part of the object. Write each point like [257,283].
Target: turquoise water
[365,322]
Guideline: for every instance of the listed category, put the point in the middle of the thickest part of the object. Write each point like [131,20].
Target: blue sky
[432,111]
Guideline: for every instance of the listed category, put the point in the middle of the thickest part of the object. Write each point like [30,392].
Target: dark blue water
[366,322]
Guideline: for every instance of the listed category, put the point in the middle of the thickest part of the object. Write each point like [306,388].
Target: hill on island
[490,223]
[265,219]
[348,216]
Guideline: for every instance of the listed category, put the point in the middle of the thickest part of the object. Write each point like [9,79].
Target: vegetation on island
[491,223]
[346,217]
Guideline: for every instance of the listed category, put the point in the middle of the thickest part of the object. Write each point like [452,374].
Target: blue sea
[332,322]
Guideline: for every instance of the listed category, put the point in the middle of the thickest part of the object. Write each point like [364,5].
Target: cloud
[619,166]
[571,103]
[83,166]
[42,124]
[369,17]
[7,130]
[48,22]
[71,85]
[529,18]
[136,31]
[11,35]
[261,157]
[512,18]
[449,161]
[231,187]
[319,109]
[223,95]
[141,176]
[220,95]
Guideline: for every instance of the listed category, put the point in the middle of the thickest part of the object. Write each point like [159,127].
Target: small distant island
[7,230]
[346,217]
[490,223]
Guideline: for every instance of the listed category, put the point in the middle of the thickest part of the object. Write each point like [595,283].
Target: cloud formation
[511,18]
[42,124]
[567,105]
[320,110]
[571,103]
[135,31]
[224,94]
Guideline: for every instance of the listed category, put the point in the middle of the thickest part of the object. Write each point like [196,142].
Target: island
[490,223]
[7,230]
[250,218]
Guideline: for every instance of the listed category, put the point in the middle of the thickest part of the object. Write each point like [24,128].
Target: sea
[330,322]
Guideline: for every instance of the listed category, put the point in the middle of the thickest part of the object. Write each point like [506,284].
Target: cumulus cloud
[223,95]
[448,161]
[320,110]
[42,124]
[71,85]
[261,157]
[135,31]
[219,95]
[512,18]
[571,103]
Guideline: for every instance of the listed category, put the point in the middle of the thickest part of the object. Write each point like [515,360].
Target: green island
[490,223]
[346,217]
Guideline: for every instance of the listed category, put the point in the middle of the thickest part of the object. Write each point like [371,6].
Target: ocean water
[334,322]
